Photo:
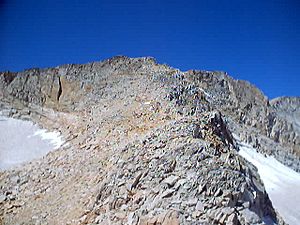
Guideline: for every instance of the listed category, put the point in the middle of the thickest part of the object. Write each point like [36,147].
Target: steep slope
[288,108]
[248,111]
[278,180]
[148,144]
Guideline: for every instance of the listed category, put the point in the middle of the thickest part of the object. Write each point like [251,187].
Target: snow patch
[22,141]
[282,183]
[54,137]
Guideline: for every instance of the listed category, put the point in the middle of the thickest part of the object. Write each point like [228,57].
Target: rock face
[147,144]
[286,126]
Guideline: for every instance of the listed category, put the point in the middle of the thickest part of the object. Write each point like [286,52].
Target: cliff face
[288,109]
[148,144]
[68,87]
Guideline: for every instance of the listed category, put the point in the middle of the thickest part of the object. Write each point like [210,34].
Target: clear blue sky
[256,40]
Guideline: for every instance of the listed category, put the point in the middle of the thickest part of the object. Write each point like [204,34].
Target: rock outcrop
[147,144]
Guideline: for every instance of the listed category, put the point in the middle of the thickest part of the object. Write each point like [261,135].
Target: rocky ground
[147,144]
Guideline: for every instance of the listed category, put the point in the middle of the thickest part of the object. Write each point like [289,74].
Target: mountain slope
[148,144]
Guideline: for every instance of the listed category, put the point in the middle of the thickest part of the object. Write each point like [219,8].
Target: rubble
[147,144]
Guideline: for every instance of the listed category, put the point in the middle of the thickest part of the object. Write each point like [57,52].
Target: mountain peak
[145,144]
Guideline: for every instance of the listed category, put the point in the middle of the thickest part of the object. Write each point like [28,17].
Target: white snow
[22,141]
[54,137]
[282,183]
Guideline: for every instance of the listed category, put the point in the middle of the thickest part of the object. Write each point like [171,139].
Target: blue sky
[253,40]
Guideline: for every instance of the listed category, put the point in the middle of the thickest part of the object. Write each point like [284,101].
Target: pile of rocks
[175,177]
[245,107]
[147,144]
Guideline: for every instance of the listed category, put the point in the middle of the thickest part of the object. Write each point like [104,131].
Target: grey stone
[199,206]
[171,180]
[250,217]
[2,198]
[167,193]
[132,219]
[232,220]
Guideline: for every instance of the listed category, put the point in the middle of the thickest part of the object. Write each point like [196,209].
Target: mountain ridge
[160,139]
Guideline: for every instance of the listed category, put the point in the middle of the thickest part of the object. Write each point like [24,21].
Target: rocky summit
[145,144]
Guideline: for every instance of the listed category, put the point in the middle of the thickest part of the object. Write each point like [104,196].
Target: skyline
[250,40]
